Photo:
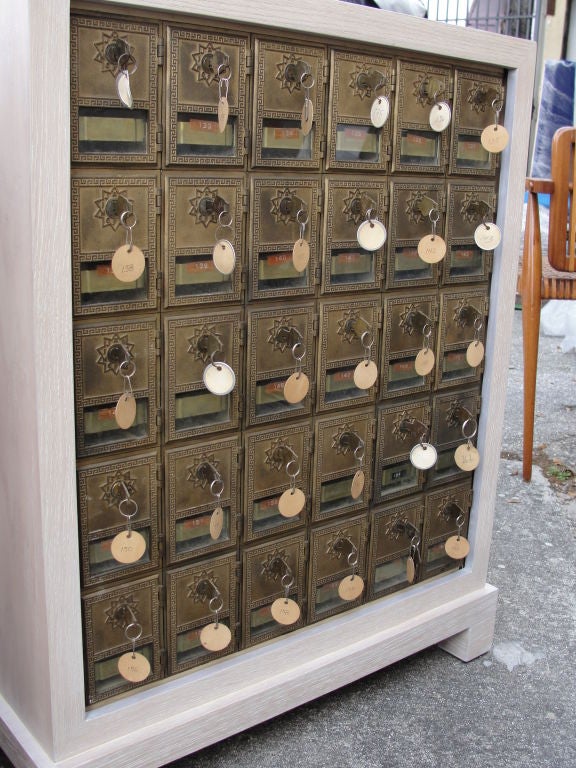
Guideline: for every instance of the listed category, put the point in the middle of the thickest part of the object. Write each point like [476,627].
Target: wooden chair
[548,274]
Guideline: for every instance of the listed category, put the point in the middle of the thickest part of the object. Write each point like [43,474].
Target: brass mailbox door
[288,87]
[474,97]
[469,206]
[360,111]
[450,410]
[343,464]
[193,595]
[348,346]
[410,327]
[114,498]
[413,204]
[463,317]
[277,479]
[393,529]
[347,265]
[112,212]
[337,554]
[447,515]
[283,236]
[202,478]
[400,428]
[202,373]
[206,98]
[115,362]
[114,90]
[277,338]
[419,90]
[203,214]
[111,618]
[272,571]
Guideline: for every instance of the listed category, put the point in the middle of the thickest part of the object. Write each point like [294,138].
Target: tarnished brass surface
[458,312]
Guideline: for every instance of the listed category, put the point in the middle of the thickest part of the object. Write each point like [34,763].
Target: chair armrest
[540,186]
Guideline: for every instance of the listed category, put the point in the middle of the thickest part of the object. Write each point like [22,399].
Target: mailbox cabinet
[249,408]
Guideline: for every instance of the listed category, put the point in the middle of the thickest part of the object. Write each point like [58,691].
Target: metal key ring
[222,68]
[297,472]
[138,634]
[415,541]
[369,216]
[497,105]
[294,355]
[432,219]
[304,76]
[474,431]
[216,362]
[359,456]
[290,576]
[302,221]
[427,330]
[225,223]
[128,515]
[126,364]
[353,554]
[124,217]
[370,335]
[460,520]
[478,324]
[130,60]
[213,608]
[218,481]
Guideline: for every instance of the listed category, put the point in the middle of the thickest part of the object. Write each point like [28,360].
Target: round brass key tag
[423,456]
[125,411]
[216,523]
[133,667]
[300,254]
[424,362]
[219,378]
[128,547]
[371,235]
[410,570]
[357,484]
[351,587]
[475,353]
[215,637]
[223,112]
[380,111]
[487,236]
[296,387]
[494,138]
[440,116]
[431,249]
[365,374]
[467,457]
[292,502]
[457,547]
[224,257]
[285,611]
[128,263]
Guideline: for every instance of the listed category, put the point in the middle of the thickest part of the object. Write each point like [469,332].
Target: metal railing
[517,18]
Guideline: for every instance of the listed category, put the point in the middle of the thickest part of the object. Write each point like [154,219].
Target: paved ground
[514,707]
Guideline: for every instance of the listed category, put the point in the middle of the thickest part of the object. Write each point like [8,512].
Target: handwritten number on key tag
[215,637]
[380,111]
[432,248]
[475,351]
[495,137]
[297,384]
[133,666]
[440,116]
[487,236]
[128,262]
[285,610]
[301,249]
[366,372]
[425,359]
[292,501]
[457,547]
[128,546]
[466,456]
[307,81]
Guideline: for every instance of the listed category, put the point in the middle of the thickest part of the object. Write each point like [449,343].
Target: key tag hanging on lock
[371,234]
[126,407]
[307,82]
[457,547]
[432,248]
[293,500]
[223,253]
[423,455]
[475,351]
[128,546]
[123,79]
[413,559]
[380,109]
[285,610]
[128,262]
[215,637]
[351,587]
[223,105]
[133,666]
[218,376]
[466,455]
[297,384]
[217,516]
[425,359]
[366,372]
[359,478]
[301,249]
[487,235]
[440,115]
[494,138]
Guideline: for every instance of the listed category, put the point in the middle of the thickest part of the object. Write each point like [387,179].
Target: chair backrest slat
[562,230]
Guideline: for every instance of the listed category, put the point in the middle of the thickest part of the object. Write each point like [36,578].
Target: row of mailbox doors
[263,349]
[247,477]
[382,542]
[195,208]
[339,88]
